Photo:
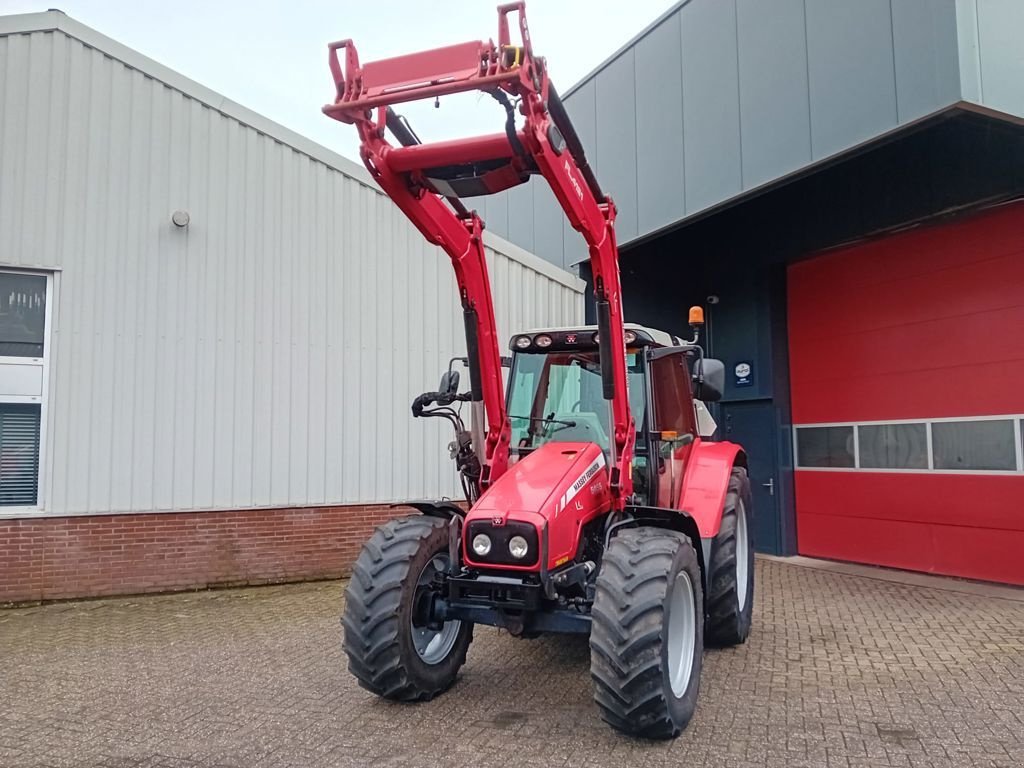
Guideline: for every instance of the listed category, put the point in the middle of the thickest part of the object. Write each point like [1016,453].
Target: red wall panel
[927,323]
[962,525]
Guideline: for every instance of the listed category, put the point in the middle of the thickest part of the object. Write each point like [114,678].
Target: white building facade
[201,310]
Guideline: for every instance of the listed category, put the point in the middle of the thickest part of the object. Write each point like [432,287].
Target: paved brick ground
[840,671]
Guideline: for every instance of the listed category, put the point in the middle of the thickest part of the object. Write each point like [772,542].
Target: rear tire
[646,641]
[731,570]
[388,655]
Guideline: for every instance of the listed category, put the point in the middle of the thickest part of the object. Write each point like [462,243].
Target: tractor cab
[555,396]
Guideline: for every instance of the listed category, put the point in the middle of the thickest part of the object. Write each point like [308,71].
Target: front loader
[596,503]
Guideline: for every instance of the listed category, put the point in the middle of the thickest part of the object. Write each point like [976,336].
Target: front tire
[731,570]
[647,637]
[387,653]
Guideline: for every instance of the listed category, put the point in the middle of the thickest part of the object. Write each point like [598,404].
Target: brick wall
[50,558]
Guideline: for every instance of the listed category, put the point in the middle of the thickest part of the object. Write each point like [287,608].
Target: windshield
[556,397]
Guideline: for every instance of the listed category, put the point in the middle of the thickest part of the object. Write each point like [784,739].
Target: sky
[271,56]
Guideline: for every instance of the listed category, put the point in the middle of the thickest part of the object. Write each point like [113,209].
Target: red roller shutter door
[907,374]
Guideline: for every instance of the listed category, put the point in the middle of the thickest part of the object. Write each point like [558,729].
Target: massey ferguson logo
[575,184]
[585,477]
[497,522]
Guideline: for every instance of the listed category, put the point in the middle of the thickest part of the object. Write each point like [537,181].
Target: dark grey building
[744,142]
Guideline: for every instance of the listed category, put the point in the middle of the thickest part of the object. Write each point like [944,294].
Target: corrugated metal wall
[722,96]
[991,57]
[265,355]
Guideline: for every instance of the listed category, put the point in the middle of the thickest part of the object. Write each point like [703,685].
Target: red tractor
[594,506]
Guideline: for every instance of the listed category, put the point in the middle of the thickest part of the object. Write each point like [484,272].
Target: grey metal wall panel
[494,210]
[547,222]
[1000,30]
[582,109]
[925,50]
[711,108]
[768,87]
[616,148]
[968,49]
[520,215]
[265,355]
[659,126]
[851,72]
[774,104]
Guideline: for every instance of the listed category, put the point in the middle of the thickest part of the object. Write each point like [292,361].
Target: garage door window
[974,445]
[893,446]
[825,446]
[983,444]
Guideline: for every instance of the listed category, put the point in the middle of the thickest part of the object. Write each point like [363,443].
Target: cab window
[673,403]
[556,397]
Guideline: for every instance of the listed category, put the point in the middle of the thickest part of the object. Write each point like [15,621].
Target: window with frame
[978,445]
[19,454]
[22,314]
[893,446]
[824,447]
[672,395]
[23,365]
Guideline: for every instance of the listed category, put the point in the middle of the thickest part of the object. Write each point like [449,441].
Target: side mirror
[450,383]
[709,380]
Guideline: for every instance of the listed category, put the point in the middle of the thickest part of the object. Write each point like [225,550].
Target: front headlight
[481,544]
[517,547]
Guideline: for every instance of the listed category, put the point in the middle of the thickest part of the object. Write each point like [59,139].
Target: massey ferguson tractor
[594,502]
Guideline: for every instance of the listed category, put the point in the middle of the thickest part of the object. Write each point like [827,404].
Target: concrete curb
[893,576]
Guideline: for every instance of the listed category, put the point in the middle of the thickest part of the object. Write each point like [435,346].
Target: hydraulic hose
[572,140]
[402,131]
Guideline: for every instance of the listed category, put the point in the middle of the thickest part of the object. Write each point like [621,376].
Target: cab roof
[654,337]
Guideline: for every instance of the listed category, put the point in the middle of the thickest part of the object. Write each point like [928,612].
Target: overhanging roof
[719,99]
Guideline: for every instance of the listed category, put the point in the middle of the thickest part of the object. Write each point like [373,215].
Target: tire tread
[371,617]
[725,625]
[625,638]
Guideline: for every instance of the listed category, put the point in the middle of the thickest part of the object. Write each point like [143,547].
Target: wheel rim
[682,633]
[742,555]
[434,645]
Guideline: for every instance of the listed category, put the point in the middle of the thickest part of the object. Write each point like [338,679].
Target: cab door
[673,425]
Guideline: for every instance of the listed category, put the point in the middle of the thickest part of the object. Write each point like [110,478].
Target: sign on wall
[744,374]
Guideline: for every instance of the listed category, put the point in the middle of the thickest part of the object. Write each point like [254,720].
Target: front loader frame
[547,144]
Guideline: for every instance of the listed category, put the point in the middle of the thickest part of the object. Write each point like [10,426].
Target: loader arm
[426,181]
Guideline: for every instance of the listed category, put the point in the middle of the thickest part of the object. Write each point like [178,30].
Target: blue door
[751,423]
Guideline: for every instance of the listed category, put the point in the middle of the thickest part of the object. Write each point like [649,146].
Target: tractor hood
[547,497]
